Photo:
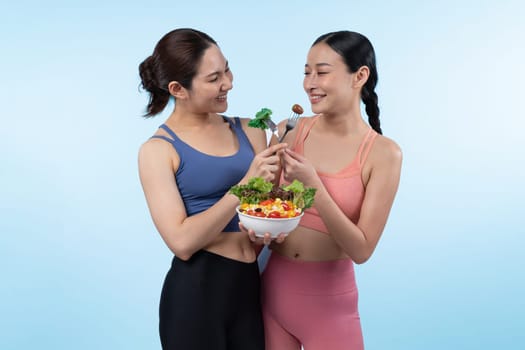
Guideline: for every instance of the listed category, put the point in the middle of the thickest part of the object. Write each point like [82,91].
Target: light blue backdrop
[81,265]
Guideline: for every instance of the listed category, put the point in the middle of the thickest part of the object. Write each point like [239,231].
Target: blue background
[81,265]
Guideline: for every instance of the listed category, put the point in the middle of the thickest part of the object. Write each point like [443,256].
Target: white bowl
[272,225]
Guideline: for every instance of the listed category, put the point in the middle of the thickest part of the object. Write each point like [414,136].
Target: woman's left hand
[295,166]
[266,240]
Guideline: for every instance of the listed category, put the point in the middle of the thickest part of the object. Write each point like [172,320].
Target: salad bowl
[265,207]
[274,226]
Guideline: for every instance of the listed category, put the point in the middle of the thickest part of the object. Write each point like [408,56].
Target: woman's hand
[266,240]
[265,164]
[295,166]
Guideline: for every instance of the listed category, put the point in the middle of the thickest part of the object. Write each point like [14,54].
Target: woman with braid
[309,289]
[210,298]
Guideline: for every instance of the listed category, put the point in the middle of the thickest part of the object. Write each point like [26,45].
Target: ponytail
[176,57]
[158,96]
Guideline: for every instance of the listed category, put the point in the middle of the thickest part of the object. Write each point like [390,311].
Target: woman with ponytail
[210,297]
[309,289]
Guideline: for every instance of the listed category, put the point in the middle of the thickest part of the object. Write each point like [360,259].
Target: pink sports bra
[345,187]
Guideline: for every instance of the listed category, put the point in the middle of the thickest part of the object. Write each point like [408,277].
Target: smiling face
[327,81]
[211,84]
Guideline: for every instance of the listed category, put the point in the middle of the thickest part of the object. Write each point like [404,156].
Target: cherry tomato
[266,202]
[259,214]
[274,214]
[285,206]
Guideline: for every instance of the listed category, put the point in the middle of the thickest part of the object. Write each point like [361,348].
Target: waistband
[310,277]
[215,259]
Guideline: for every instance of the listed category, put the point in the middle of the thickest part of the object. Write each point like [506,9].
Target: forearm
[345,233]
[199,230]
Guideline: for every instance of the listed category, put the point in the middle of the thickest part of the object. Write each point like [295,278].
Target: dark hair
[357,51]
[175,58]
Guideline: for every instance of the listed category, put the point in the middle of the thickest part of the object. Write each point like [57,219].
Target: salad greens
[303,197]
[260,119]
[258,190]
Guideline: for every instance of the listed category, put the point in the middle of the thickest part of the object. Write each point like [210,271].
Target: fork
[290,124]
[273,127]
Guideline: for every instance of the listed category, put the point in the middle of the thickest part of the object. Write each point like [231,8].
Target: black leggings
[211,302]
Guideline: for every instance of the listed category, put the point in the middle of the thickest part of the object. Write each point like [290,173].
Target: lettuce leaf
[296,186]
[260,119]
[302,197]
[257,190]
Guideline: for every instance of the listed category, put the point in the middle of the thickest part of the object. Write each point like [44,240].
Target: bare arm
[184,235]
[357,240]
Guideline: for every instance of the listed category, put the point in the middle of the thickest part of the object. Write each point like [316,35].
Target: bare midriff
[233,245]
[309,245]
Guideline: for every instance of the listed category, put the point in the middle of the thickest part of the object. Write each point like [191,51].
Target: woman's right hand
[265,164]
[265,240]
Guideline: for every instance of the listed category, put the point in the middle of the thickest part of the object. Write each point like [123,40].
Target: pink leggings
[313,304]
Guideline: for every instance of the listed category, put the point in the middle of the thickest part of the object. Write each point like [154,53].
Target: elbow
[182,252]
[181,247]
[183,257]
[180,244]
[362,257]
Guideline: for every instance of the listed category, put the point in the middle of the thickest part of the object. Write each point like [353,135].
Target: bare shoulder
[154,146]
[386,150]
[244,122]
[256,136]
[155,151]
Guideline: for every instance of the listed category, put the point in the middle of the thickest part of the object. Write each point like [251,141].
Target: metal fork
[290,124]
[273,127]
